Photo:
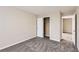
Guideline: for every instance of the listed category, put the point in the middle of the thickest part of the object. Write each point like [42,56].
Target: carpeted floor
[41,45]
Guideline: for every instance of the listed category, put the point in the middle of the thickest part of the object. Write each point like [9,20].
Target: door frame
[43,26]
[76,49]
[75,18]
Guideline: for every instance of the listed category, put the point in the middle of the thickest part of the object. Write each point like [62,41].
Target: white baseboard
[14,43]
[11,45]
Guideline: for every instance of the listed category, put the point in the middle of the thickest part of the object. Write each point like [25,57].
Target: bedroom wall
[15,26]
[55,32]
[40,27]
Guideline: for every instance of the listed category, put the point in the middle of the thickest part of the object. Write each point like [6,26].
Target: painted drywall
[55,32]
[47,27]
[15,26]
[67,25]
[40,27]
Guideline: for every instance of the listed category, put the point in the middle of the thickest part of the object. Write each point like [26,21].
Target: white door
[40,27]
[73,28]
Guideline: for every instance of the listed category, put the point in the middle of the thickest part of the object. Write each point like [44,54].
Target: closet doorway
[46,27]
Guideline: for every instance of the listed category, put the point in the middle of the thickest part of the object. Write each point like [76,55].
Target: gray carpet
[40,45]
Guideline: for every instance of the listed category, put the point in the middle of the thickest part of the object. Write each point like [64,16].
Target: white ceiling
[44,10]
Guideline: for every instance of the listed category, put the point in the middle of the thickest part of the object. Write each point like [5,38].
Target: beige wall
[55,32]
[67,25]
[40,27]
[15,26]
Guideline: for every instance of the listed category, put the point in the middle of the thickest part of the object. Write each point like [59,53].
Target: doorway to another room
[43,27]
[69,31]
[68,28]
[46,27]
